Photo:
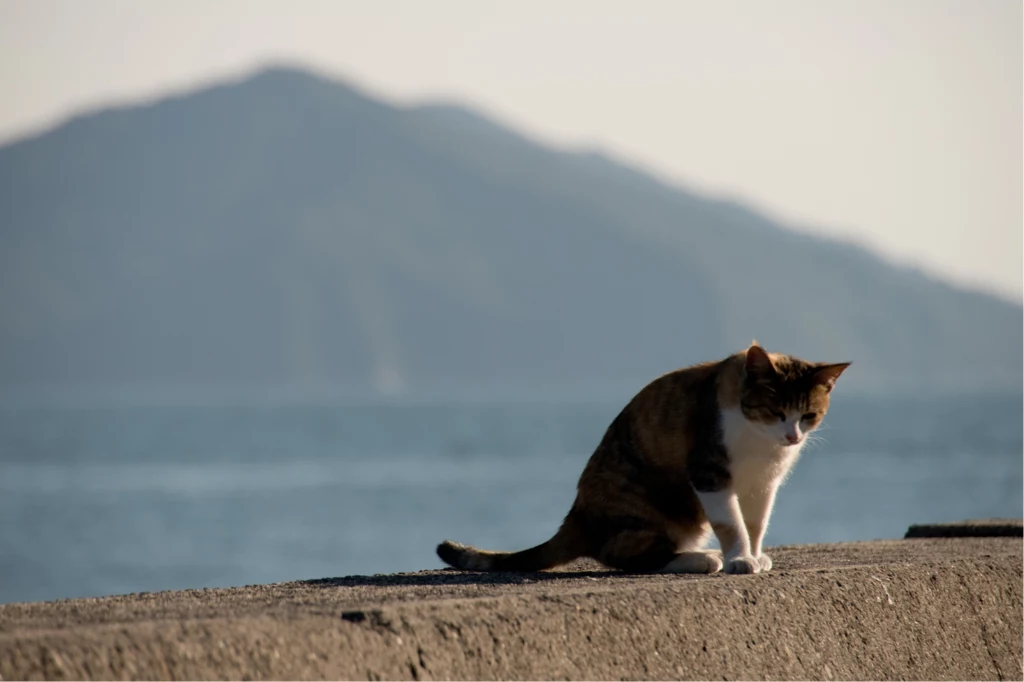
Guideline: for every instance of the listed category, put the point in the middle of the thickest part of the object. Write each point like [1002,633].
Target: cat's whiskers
[814,439]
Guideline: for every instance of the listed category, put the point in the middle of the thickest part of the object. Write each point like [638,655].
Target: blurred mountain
[285,232]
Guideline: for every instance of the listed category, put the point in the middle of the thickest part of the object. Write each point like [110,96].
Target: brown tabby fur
[637,507]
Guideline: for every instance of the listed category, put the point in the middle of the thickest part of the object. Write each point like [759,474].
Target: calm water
[97,501]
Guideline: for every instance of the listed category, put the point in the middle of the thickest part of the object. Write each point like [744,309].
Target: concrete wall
[915,610]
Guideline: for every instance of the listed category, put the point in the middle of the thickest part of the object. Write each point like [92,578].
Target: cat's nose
[793,438]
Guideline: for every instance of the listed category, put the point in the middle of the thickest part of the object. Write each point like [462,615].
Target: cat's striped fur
[699,450]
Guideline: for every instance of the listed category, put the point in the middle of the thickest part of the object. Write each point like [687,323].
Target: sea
[112,498]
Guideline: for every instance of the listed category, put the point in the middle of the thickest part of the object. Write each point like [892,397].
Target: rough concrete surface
[946,608]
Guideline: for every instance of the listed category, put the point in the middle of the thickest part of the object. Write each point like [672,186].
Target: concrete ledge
[922,609]
[976,528]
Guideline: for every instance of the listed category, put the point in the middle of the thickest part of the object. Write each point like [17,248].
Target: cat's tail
[566,545]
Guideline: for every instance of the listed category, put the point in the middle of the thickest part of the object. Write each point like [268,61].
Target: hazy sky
[894,123]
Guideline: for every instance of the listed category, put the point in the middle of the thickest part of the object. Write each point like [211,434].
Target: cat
[700,449]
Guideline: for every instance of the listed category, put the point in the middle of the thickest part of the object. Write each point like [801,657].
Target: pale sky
[896,124]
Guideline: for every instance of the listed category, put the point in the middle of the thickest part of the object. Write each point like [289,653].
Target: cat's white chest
[757,460]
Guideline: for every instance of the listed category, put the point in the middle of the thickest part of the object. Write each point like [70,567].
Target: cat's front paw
[765,562]
[742,565]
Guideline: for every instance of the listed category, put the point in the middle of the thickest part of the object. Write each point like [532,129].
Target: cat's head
[784,397]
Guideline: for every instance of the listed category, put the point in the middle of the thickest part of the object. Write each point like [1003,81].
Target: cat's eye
[810,416]
[779,415]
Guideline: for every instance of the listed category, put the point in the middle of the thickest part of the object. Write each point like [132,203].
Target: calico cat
[699,449]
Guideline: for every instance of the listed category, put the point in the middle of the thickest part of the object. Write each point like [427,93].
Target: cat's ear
[758,361]
[826,375]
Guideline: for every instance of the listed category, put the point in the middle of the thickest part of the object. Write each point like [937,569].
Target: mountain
[286,232]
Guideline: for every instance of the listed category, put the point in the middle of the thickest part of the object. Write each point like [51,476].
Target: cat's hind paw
[765,562]
[694,562]
[742,565]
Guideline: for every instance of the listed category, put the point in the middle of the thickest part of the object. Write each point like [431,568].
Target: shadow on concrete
[456,577]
